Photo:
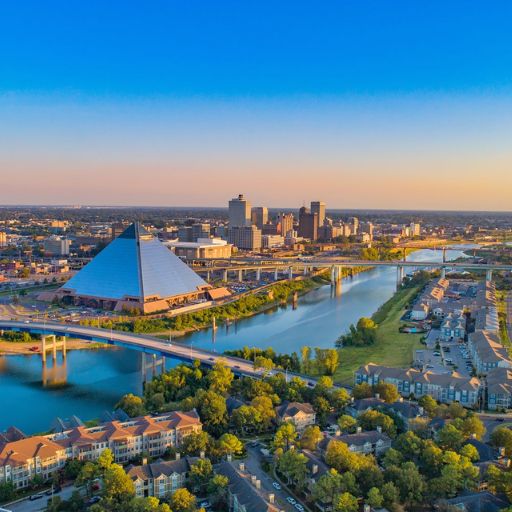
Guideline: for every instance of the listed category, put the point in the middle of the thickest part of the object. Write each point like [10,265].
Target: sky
[362,104]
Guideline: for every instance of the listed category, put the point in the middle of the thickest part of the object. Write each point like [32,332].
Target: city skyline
[406,108]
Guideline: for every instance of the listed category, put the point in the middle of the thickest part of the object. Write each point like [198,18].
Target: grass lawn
[392,348]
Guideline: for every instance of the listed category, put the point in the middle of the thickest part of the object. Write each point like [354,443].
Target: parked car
[276,485]
[290,500]
[34,497]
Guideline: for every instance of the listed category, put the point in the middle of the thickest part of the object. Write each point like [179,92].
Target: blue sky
[315,97]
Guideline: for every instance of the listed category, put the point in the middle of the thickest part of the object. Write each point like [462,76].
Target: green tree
[246,417]
[375,498]
[391,494]
[371,419]
[117,484]
[200,474]
[196,442]
[502,438]
[362,390]
[212,410]
[306,358]
[265,410]
[264,363]
[429,405]
[183,501]
[339,398]
[132,405]
[230,444]
[220,378]
[347,423]
[388,392]
[285,436]
[292,464]
[7,492]
[346,502]
[310,438]
[450,437]
[472,426]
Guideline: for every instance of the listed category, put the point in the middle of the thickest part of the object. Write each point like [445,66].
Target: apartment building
[487,351]
[499,388]
[24,459]
[300,414]
[129,439]
[443,387]
[161,478]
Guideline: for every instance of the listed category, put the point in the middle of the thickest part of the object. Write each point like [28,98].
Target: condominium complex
[22,459]
[443,387]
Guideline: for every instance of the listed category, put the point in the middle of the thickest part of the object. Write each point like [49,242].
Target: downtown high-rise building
[318,207]
[285,222]
[259,216]
[308,224]
[239,212]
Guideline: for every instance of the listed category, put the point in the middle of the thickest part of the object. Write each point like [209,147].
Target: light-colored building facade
[298,413]
[487,351]
[246,237]
[239,212]
[259,216]
[443,387]
[161,478]
[204,248]
[318,207]
[57,246]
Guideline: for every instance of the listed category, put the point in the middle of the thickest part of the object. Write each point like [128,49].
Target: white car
[290,500]
[299,507]
[276,486]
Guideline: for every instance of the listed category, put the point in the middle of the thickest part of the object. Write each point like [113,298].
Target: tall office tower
[239,212]
[286,222]
[367,227]
[318,207]
[415,229]
[200,230]
[308,224]
[3,239]
[354,221]
[259,216]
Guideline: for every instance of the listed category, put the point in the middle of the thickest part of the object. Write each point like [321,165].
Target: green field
[392,348]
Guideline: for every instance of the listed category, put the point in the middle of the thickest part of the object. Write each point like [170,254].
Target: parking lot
[444,356]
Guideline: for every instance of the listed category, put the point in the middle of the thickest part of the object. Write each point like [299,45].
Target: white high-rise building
[239,212]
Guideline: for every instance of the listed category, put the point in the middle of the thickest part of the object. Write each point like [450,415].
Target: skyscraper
[239,212]
[259,216]
[318,207]
[286,222]
[308,224]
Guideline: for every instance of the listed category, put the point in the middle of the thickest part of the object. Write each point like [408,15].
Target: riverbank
[391,348]
[8,348]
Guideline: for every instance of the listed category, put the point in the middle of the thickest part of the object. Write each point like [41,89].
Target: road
[253,465]
[37,505]
[145,344]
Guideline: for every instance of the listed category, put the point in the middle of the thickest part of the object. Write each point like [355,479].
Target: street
[34,506]
[253,465]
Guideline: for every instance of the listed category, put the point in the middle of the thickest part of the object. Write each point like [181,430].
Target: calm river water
[92,381]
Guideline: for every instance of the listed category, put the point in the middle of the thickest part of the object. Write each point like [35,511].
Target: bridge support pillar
[258,274]
[333,275]
[444,254]
[208,276]
[225,276]
[339,273]
[240,275]
[399,276]
[276,274]
[290,273]
[151,362]
[305,270]
[443,272]
[488,275]
[50,342]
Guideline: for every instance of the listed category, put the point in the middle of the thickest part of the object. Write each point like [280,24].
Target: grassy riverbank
[391,347]
[23,347]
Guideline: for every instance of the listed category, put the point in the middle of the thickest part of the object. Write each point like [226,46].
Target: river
[93,380]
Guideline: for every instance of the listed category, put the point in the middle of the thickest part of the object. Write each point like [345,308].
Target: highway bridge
[306,264]
[154,347]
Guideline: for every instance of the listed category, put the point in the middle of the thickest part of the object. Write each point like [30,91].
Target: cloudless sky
[399,104]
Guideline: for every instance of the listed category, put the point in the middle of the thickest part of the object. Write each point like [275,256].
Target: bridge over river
[156,348]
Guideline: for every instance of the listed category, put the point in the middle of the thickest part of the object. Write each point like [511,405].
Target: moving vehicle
[276,485]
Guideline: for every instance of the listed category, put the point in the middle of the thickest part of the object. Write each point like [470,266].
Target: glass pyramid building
[135,271]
